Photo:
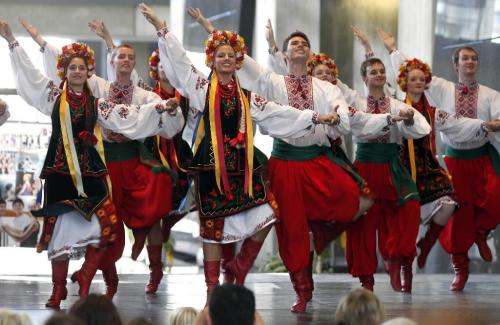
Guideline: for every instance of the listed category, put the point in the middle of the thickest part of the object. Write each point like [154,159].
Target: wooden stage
[430,303]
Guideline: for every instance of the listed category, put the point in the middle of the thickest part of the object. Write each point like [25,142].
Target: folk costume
[309,183]
[477,196]
[232,192]
[395,216]
[78,211]
[142,189]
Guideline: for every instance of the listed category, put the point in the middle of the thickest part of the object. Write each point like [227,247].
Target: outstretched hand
[271,41]
[492,126]
[361,37]
[387,38]
[98,28]
[3,107]
[151,16]
[30,28]
[330,118]
[5,31]
[197,15]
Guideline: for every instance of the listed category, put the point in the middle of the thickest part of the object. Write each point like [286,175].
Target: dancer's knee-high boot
[427,242]
[303,287]
[244,260]
[227,255]
[85,275]
[155,267]
[59,291]
[407,274]
[461,267]
[367,281]
[212,272]
[111,280]
[140,236]
[394,265]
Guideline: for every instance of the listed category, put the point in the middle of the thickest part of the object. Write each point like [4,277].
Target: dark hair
[95,310]
[63,319]
[369,63]
[456,53]
[232,304]
[18,200]
[295,34]
[139,321]
[115,50]
[2,201]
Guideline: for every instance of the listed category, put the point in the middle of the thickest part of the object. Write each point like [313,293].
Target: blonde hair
[400,321]
[8,317]
[359,307]
[183,316]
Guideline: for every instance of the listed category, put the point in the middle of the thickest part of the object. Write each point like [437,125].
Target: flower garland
[154,61]
[218,38]
[71,51]
[322,58]
[409,65]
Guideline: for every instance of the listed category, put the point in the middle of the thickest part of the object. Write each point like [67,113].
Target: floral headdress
[322,58]
[154,60]
[218,38]
[71,51]
[409,65]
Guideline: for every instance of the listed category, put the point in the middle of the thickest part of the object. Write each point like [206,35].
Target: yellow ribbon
[164,161]
[213,131]
[100,149]
[411,151]
[69,145]
[249,136]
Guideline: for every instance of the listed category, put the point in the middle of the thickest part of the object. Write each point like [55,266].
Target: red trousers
[315,189]
[478,193]
[397,226]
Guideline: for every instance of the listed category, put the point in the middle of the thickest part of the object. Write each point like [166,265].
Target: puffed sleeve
[277,63]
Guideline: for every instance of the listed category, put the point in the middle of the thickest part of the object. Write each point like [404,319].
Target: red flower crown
[154,60]
[71,51]
[218,38]
[409,65]
[322,58]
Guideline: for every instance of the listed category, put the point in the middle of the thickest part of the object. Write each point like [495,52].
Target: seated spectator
[230,304]
[183,316]
[141,321]
[8,317]
[63,319]
[400,321]
[95,310]
[359,307]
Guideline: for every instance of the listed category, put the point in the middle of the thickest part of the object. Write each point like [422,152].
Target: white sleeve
[280,121]
[367,126]
[277,63]
[459,129]
[138,121]
[34,87]
[262,81]
[172,76]
[193,82]
[351,96]
[495,114]
[418,129]
[335,99]
[397,58]
[49,54]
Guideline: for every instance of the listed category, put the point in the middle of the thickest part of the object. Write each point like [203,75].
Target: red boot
[310,269]
[212,272]
[461,267]
[244,260]
[482,245]
[169,221]
[227,256]
[140,235]
[367,282]
[427,242]
[111,280]
[407,272]
[86,273]
[395,273]
[325,232]
[59,291]
[156,268]
[303,289]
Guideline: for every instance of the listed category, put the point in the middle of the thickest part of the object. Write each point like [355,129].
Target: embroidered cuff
[369,55]
[315,118]
[272,50]
[392,50]
[13,45]
[484,129]
[337,121]
[162,32]
[390,122]
[42,47]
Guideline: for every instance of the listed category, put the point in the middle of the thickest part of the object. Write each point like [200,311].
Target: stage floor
[430,303]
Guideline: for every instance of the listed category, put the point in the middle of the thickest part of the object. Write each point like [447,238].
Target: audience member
[359,307]
[400,321]
[184,316]
[8,317]
[63,319]
[141,321]
[95,310]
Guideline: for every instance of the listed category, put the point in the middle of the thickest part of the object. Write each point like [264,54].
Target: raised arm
[32,31]
[461,129]
[363,40]
[35,88]
[141,121]
[276,59]
[197,15]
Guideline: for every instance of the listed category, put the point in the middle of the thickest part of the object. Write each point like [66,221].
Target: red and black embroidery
[299,91]
[380,106]
[466,99]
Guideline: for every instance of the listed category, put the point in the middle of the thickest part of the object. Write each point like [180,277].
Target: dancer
[234,200]
[78,212]
[323,190]
[4,112]
[478,195]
